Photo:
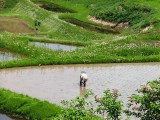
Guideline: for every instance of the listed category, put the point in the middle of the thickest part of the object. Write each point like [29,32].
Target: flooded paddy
[6,56]
[14,25]
[55,46]
[61,82]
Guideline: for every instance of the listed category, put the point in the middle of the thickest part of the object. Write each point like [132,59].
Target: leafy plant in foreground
[78,109]
[146,104]
[109,105]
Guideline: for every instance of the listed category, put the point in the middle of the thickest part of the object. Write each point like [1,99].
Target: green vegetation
[143,105]
[67,22]
[78,109]
[136,13]
[111,108]
[122,12]
[6,4]
[27,107]
[110,104]
[98,48]
[117,51]
[53,7]
[146,103]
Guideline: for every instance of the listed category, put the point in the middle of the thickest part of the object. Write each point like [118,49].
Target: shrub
[110,105]
[146,104]
[78,109]
[7,3]
[121,12]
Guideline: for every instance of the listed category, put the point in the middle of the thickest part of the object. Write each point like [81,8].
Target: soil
[147,28]
[15,25]
[101,21]
[113,25]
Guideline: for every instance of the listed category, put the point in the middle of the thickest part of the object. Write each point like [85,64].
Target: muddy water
[59,82]
[5,117]
[54,46]
[5,56]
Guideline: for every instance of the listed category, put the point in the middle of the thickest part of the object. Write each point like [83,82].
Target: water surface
[6,56]
[61,82]
[55,46]
[5,117]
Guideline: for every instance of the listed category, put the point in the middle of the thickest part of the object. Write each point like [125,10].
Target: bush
[78,109]
[146,104]
[110,105]
[82,109]
[7,3]
[121,12]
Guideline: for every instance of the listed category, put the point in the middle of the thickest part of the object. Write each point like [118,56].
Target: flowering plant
[146,104]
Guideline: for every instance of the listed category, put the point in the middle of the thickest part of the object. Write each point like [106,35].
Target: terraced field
[111,31]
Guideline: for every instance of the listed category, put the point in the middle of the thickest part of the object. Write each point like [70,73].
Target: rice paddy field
[112,31]
[25,21]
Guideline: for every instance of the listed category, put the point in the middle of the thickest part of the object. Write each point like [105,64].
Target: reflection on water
[5,56]
[4,117]
[61,82]
[83,90]
[54,46]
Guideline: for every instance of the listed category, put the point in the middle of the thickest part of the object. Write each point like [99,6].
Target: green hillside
[41,20]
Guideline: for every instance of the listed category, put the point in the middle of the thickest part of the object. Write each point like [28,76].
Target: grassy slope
[136,48]
[83,6]
[154,4]
[7,5]
[81,11]
[51,25]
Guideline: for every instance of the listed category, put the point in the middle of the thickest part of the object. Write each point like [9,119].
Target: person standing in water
[83,78]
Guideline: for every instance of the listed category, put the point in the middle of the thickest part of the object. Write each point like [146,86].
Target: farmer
[83,78]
